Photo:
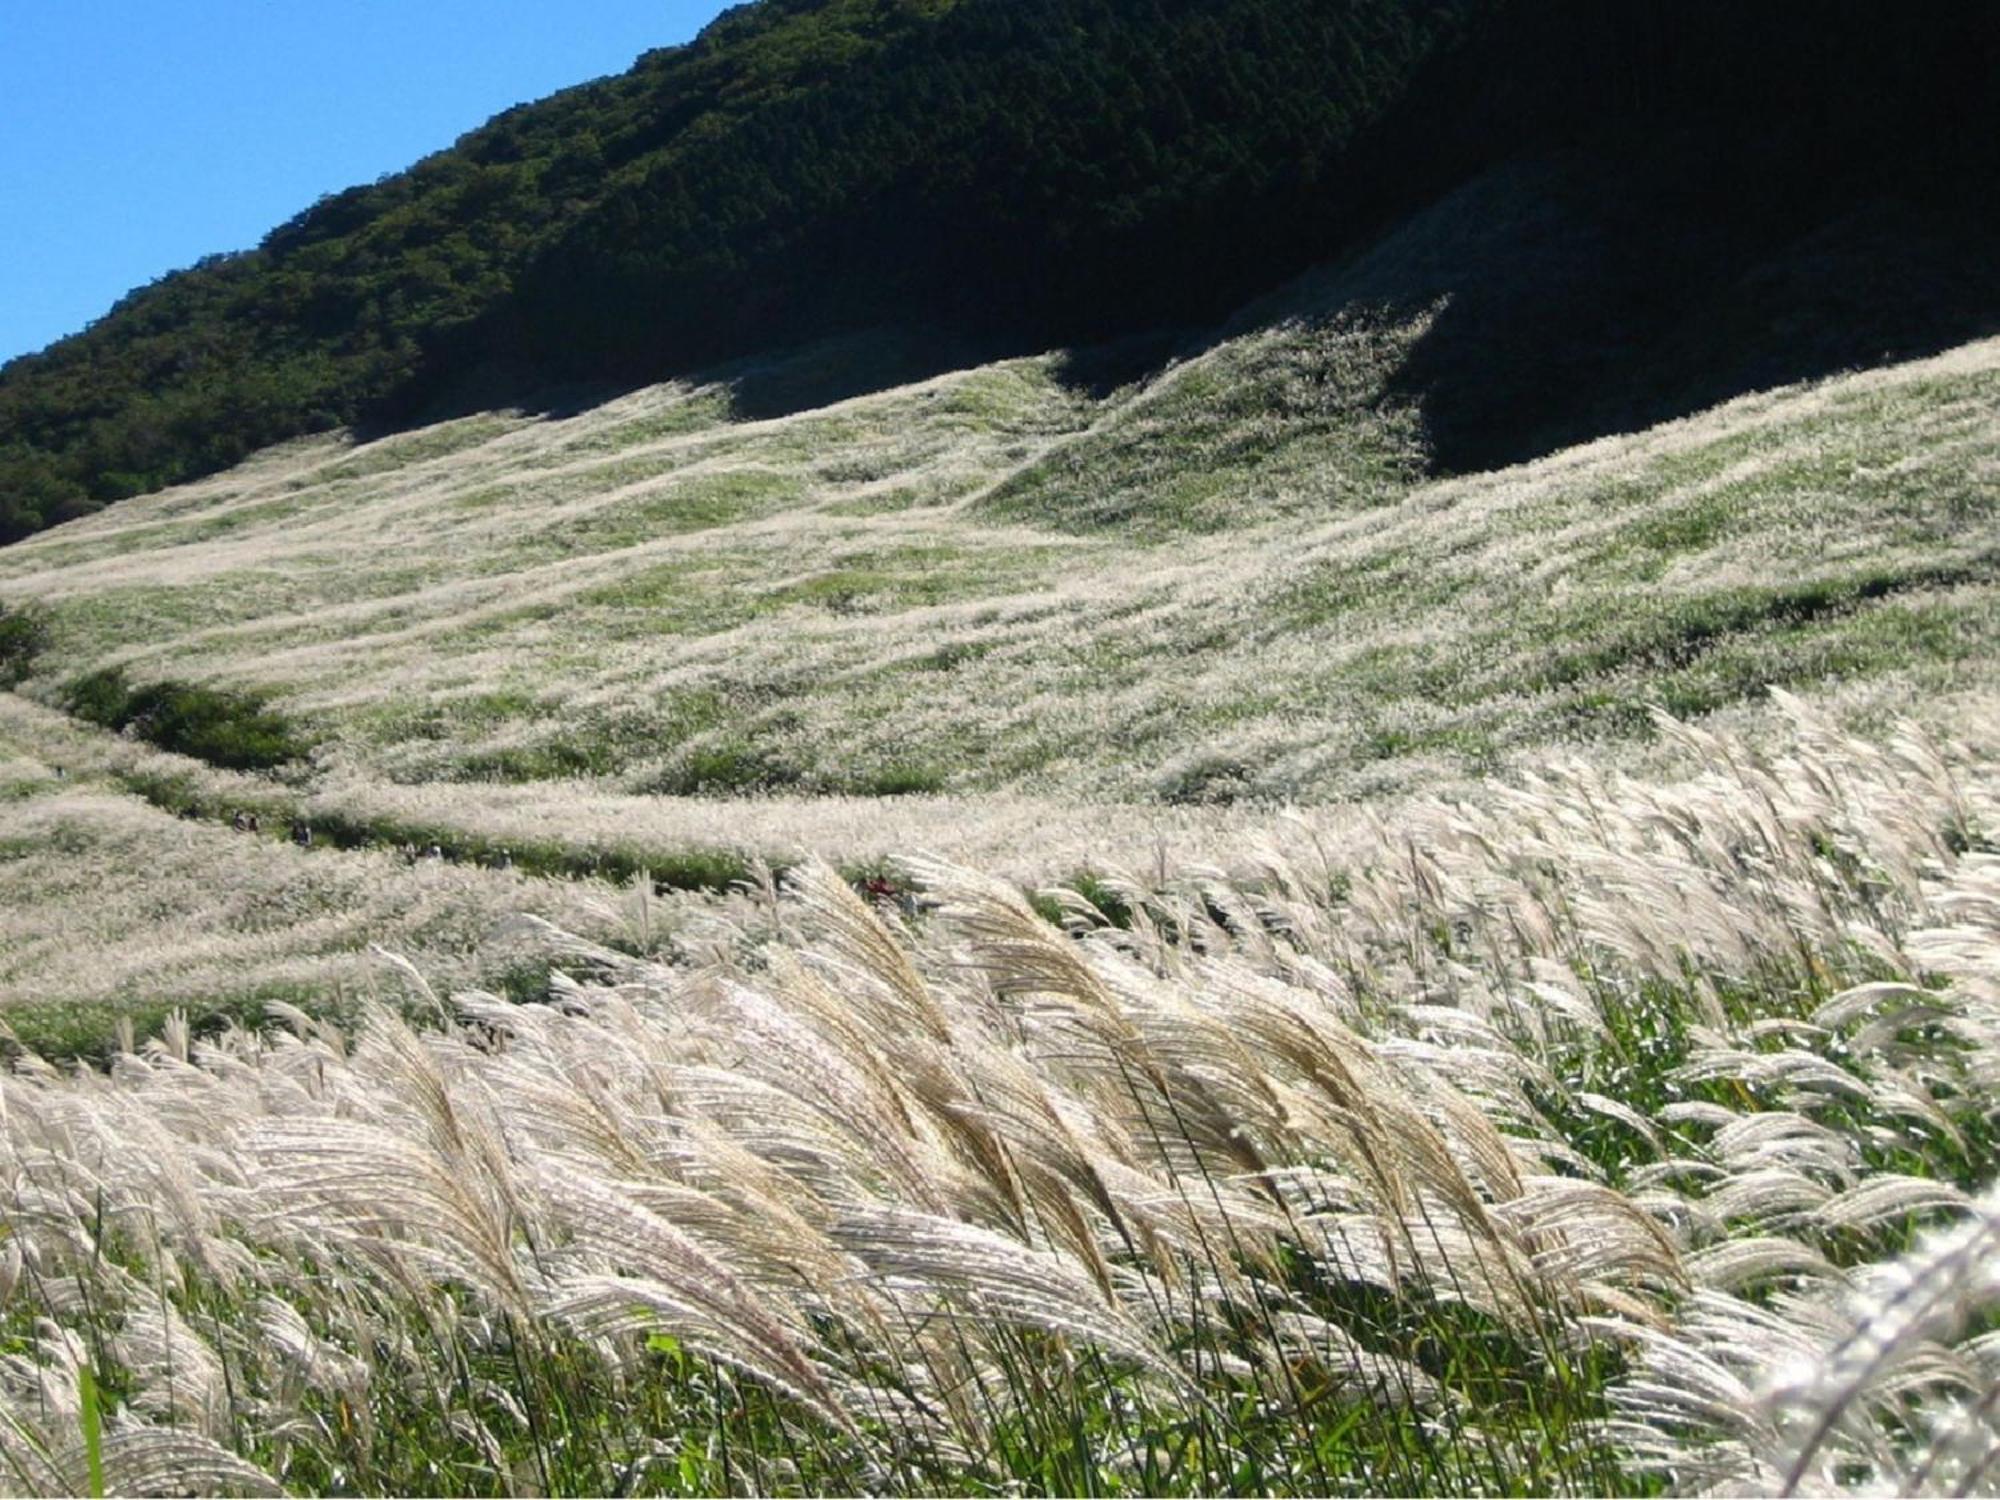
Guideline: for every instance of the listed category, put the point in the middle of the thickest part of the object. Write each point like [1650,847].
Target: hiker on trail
[241,822]
[255,826]
[302,835]
[506,860]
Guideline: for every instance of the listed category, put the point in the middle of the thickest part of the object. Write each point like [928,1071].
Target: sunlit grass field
[989,938]
[1229,583]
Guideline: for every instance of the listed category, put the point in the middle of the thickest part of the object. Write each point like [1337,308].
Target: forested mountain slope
[1743,194]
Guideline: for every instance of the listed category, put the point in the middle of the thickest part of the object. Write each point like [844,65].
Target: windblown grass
[1584,1136]
[1232,583]
[1604,1105]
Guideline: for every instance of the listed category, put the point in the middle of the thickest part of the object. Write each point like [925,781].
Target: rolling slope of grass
[989,582]
[126,896]
[659,642]
[116,913]
[1599,1105]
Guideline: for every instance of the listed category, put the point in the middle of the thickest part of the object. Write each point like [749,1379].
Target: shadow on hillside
[1569,307]
[1569,312]
[761,387]
[493,386]
[785,382]
[847,366]
[840,368]
[1101,370]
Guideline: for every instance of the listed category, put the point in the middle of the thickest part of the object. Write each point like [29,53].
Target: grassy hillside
[113,911]
[1577,1099]
[1230,582]
[1050,634]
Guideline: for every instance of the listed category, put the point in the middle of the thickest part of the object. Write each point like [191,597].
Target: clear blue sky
[137,136]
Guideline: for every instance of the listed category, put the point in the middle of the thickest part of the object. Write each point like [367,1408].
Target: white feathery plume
[959,1270]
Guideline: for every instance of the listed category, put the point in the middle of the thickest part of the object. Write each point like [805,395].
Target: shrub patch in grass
[24,636]
[235,731]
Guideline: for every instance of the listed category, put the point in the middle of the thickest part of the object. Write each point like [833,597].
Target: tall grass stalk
[1590,1135]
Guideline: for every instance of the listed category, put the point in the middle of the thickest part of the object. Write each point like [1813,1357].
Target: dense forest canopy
[1019,172]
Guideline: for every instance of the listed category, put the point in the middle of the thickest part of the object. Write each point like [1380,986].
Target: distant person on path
[302,835]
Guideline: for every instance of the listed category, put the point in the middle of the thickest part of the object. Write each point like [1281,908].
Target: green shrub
[102,697]
[732,767]
[233,730]
[548,762]
[24,636]
[900,779]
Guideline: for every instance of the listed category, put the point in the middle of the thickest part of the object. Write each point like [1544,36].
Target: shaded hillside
[1018,174]
[1559,304]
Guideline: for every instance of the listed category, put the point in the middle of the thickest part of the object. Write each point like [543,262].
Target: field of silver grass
[1583,1136]
[1233,583]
